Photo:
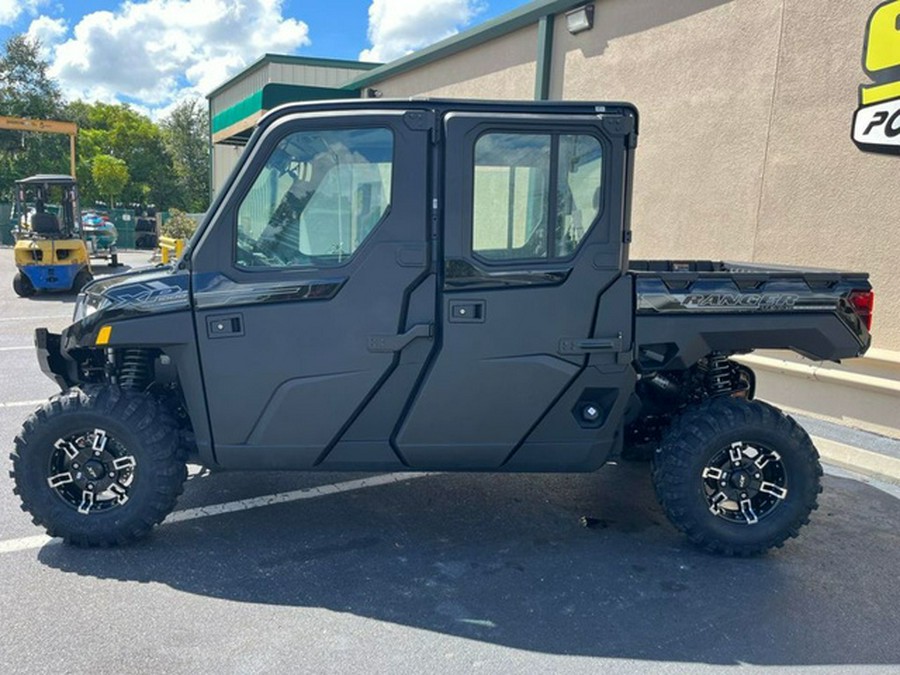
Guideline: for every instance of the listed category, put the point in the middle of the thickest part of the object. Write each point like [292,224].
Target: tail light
[862,303]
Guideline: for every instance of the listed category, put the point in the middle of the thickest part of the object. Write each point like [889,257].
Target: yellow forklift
[50,251]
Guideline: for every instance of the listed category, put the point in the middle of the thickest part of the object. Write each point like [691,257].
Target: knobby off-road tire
[22,285]
[737,477]
[98,466]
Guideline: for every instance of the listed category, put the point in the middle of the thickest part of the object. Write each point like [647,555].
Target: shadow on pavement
[507,560]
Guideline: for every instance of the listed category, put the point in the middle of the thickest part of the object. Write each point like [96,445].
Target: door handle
[394,343]
[224,325]
[466,311]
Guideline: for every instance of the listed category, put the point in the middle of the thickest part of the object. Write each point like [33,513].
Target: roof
[443,105]
[526,15]
[266,59]
[46,178]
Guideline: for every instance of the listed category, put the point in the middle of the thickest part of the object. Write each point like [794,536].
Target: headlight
[83,309]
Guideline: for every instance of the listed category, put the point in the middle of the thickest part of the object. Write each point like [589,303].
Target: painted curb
[856,459]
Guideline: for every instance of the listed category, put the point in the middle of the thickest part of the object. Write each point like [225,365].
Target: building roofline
[524,16]
[266,59]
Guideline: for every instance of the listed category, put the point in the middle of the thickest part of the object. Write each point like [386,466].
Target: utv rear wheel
[737,477]
[99,466]
[22,285]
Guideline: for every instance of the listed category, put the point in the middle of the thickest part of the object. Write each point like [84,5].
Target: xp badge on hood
[876,123]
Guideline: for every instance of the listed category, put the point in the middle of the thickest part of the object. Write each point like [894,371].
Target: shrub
[178,225]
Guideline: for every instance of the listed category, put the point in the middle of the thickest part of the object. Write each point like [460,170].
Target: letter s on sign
[876,123]
[882,49]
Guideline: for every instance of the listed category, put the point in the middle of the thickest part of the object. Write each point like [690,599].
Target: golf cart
[50,252]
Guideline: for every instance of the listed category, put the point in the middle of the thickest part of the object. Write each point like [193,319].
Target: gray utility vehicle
[432,285]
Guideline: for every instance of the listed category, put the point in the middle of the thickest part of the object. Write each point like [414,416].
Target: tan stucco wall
[702,80]
[745,149]
[824,202]
[500,69]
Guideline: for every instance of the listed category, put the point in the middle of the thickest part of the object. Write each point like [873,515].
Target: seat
[44,223]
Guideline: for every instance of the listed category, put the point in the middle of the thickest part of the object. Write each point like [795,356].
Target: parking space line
[37,541]
[23,404]
[37,318]
[25,543]
[15,349]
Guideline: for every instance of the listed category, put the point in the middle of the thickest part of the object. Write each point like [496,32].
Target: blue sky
[154,53]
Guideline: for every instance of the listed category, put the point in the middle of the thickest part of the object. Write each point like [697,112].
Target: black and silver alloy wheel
[737,477]
[99,465]
[744,483]
[91,471]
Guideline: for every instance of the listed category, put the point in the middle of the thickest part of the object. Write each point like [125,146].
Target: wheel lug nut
[76,465]
[756,475]
[90,486]
[112,474]
[743,495]
[723,483]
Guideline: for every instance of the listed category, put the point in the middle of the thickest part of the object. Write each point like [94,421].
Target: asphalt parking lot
[439,572]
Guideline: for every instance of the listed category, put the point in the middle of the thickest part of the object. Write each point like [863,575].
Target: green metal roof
[266,59]
[525,15]
[271,96]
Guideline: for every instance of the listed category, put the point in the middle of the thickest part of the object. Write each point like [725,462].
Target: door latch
[230,325]
[576,346]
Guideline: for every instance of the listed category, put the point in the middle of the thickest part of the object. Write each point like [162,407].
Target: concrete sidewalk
[860,451]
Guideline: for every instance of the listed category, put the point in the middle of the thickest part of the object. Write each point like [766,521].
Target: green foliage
[117,130]
[110,176]
[178,225]
[27,91]
[186,137]
[167,163]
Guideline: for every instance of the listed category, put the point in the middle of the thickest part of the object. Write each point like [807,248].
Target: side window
[523,210]
[319,196]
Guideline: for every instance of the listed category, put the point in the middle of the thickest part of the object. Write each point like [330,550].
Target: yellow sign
[876,124]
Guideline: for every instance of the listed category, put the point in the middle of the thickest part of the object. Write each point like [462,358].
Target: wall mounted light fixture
[580,19]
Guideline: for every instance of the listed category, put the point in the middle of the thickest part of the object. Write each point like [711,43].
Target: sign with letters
[876,123]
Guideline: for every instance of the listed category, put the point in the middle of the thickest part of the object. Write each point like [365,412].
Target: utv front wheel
[738,477]
[99,466]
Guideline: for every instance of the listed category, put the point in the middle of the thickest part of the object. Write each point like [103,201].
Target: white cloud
[398,27]
[49,32]
[160,51]
[10,10]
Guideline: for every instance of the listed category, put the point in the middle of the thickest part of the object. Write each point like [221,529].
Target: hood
[140,291]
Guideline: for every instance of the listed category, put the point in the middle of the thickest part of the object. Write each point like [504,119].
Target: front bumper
[51,360]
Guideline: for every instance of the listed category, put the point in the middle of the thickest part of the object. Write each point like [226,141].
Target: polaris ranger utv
[433,285]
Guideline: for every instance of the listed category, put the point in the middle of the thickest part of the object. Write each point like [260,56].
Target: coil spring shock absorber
[718,375]
[136,369]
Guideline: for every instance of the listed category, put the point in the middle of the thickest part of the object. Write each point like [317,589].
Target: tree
[120,131]
[186,137]
[27,91]
[110,176]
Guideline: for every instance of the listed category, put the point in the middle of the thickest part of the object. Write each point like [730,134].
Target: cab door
[301,285]
[532,296]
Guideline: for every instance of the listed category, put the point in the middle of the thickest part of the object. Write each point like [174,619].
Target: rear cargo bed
[685,308]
